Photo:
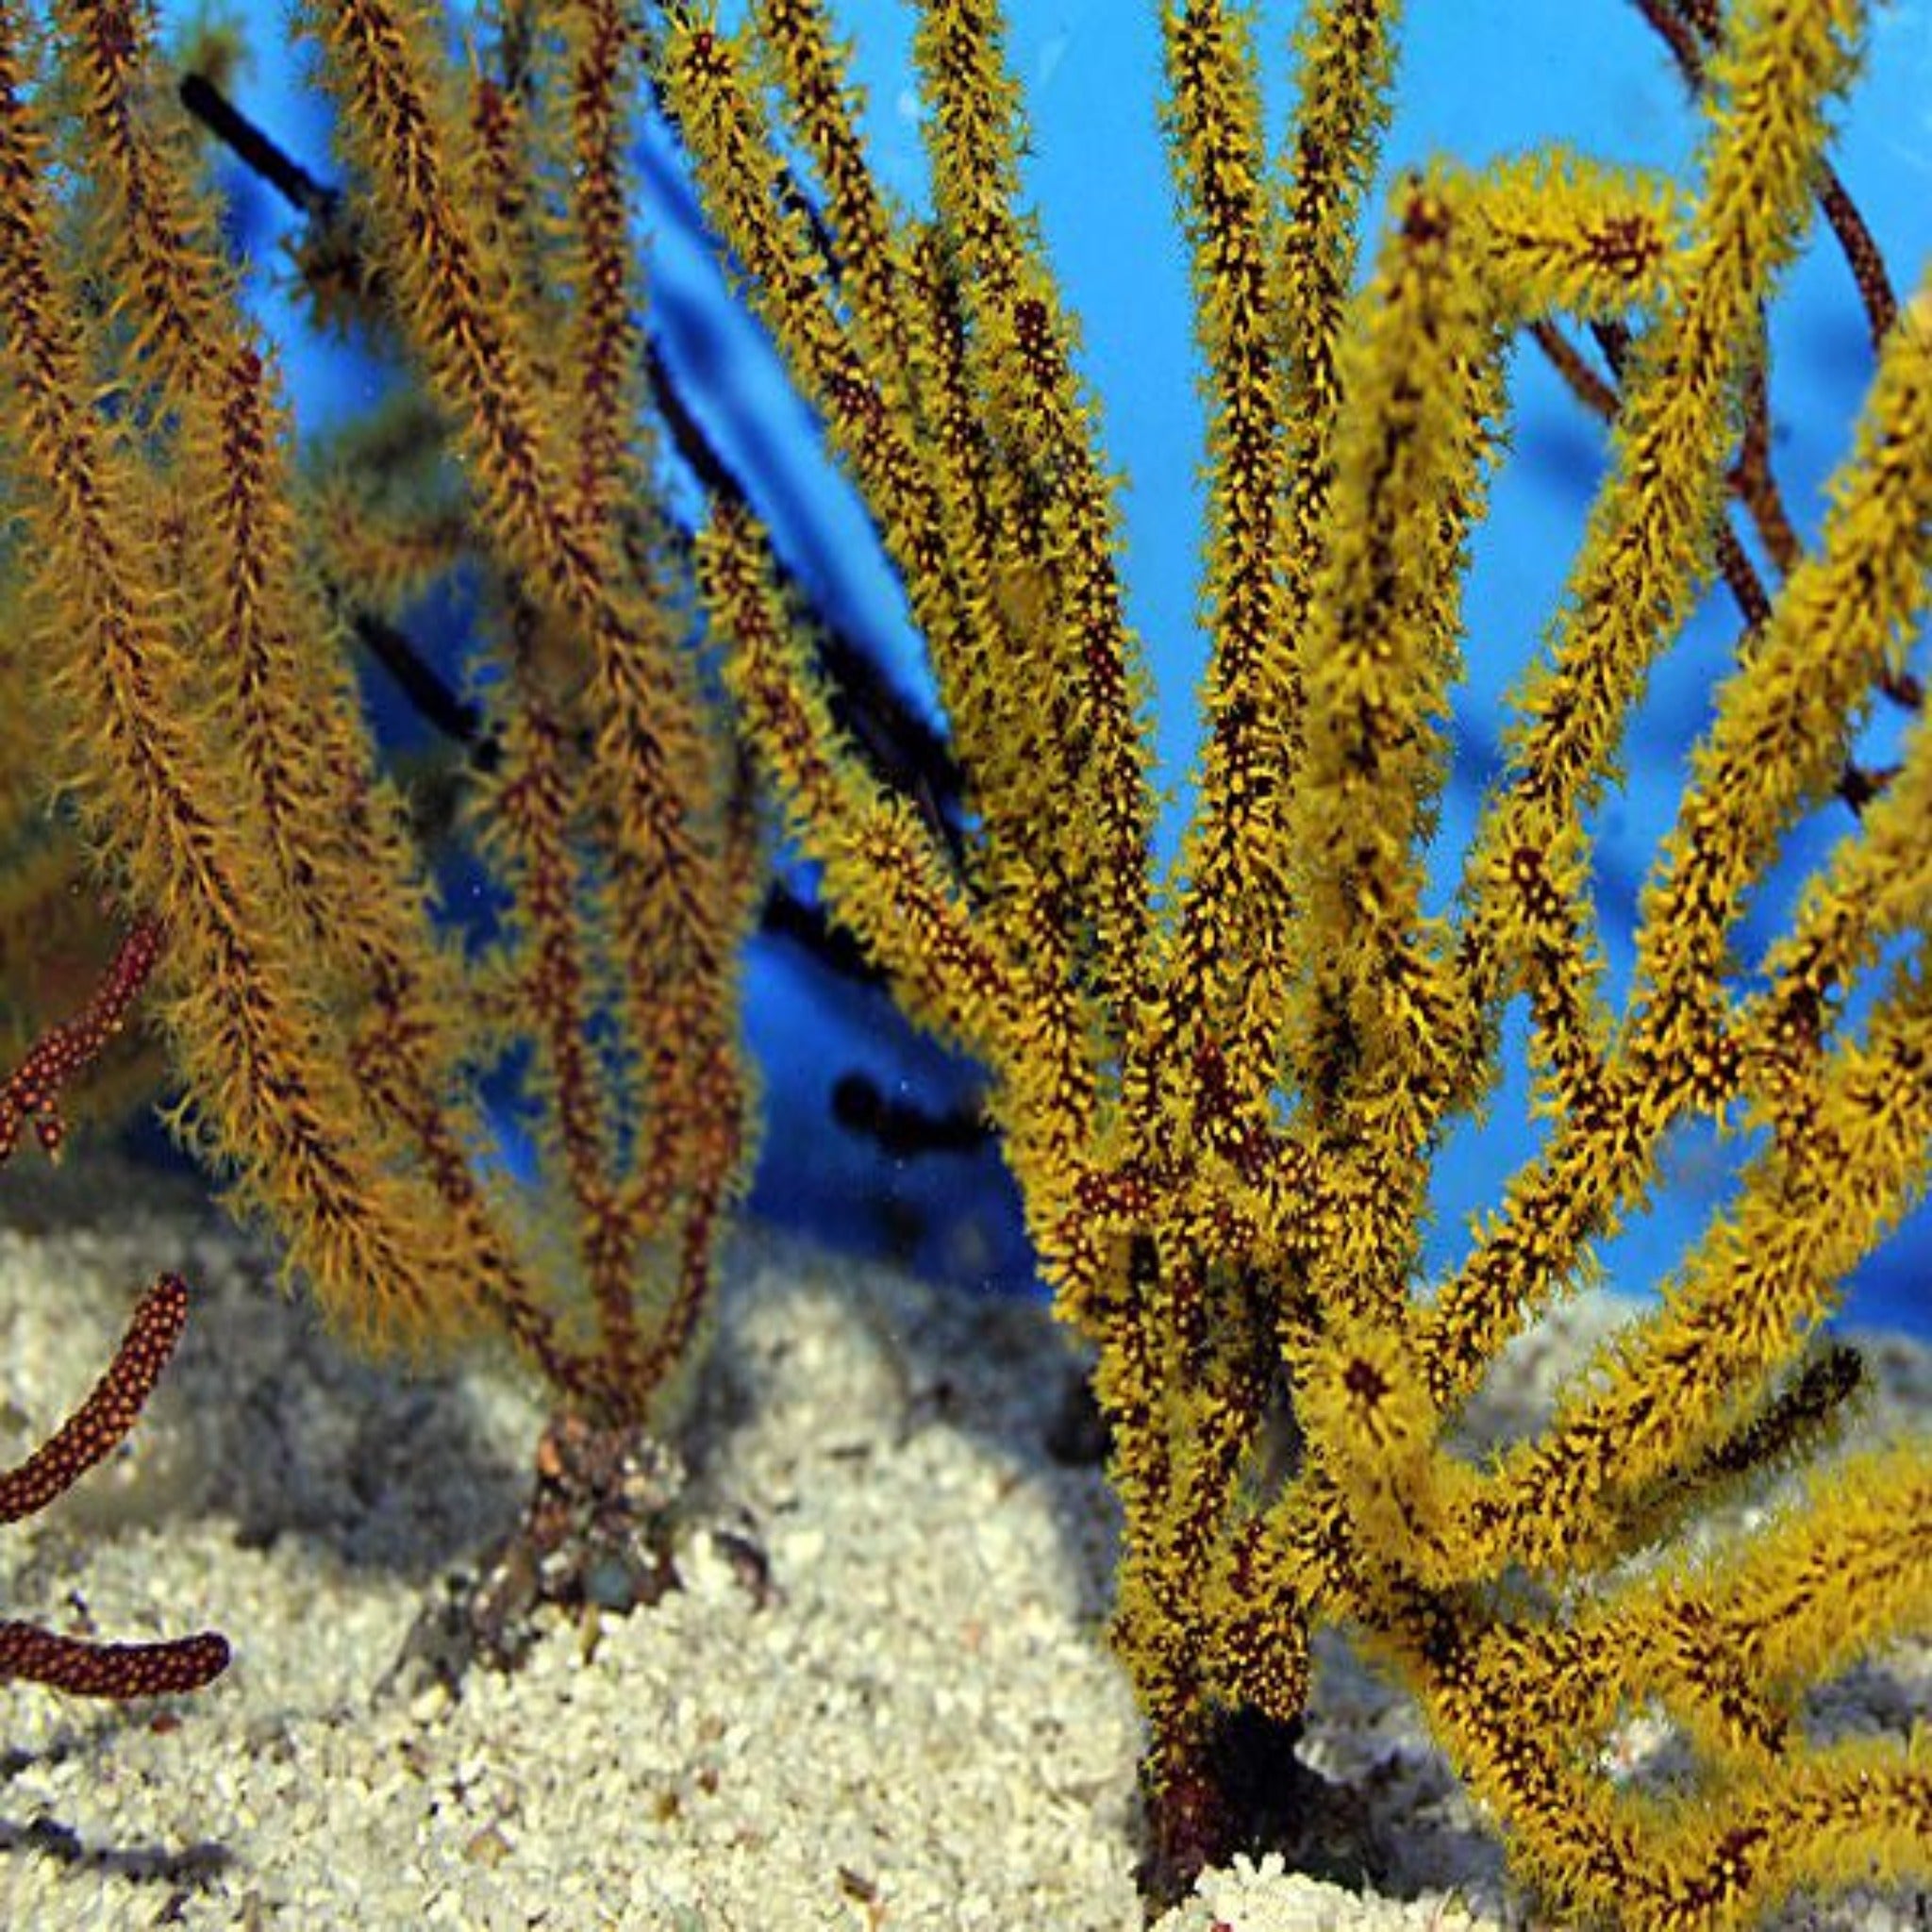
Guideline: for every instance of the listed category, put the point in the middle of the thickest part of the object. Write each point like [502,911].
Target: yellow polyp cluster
[1220,1105]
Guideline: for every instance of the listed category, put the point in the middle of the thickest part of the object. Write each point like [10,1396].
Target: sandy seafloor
[921,1729]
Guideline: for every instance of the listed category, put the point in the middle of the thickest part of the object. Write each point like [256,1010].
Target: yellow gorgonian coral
[1221,1102]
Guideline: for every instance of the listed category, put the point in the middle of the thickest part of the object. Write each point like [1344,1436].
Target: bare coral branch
[91,1433]
[102,1422]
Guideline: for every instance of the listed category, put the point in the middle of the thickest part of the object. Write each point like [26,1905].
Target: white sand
[922,1730]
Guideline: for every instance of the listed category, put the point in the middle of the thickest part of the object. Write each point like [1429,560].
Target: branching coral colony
[180,601]
[1220,1096]
[1221,1099]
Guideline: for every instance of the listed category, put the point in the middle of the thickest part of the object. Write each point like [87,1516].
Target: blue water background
[1478,78]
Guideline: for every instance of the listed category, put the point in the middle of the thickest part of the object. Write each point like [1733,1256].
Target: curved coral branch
[91,1434]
